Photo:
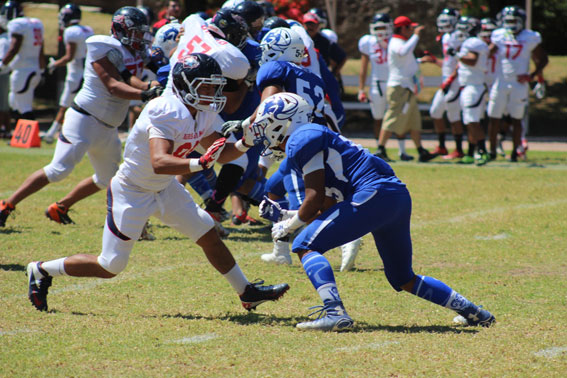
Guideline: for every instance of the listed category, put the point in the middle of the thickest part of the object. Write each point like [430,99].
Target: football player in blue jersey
[348,193]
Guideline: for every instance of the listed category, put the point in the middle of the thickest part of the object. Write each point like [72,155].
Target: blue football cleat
[332,317]
[475,317]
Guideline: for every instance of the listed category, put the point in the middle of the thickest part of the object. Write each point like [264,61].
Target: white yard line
[195,339]
[551,352]
[366,346]
[483,213]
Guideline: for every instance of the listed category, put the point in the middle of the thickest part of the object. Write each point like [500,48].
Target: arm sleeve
[408,46]
[337,53]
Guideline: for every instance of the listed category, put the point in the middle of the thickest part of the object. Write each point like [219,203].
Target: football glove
[539,90]
[285,227]
[51,65]
[271,210]
[151,93]
[230,127]
[212,154]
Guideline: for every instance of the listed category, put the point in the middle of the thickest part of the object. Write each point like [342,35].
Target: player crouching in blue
[366,197]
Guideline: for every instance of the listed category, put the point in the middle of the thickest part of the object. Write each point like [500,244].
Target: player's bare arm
[469,59]
[314,201]
[111,79]
[163,161]
[70,50]
[540,58]
[364,59]
[15,45]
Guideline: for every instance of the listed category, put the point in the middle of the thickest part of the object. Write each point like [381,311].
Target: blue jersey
[252,99]
[295,79]
[348,167]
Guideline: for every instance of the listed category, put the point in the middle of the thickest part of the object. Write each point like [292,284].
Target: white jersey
[93,96]
[78,35]
[31,30]
[311,59]
[197,39]
[165,117]
[473,75]
[514,51]
[449,40]
[378,53]
[492,68]
[4,47]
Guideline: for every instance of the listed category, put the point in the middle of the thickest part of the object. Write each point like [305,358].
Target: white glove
[51,65]
[539,90]
[247,133]
[286,227]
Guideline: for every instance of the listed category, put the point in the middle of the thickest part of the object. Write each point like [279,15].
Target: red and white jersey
[31,30]
[198,39]
[164,117]
[93,96]
[473,75]
[514,51]
[311,59]
[377,51]
[449,40]
[78,35]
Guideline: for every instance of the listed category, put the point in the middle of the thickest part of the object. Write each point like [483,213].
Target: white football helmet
[278,116]
[381,26]
[166,37]
[282,44]
[330,35]
[447,20]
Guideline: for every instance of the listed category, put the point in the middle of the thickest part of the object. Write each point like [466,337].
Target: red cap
[311,17]
[403,21]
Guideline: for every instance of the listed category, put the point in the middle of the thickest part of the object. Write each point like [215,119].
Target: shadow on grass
[366,327]
[13,267]
[243,319]
[8,231]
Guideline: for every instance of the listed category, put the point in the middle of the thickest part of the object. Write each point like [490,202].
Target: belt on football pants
[77,108]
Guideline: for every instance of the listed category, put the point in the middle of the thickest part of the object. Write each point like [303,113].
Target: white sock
[237,279]
[55,126]
[55,267]
[402,145]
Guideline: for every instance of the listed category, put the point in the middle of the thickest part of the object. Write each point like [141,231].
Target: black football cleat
[256,294]
[39,282]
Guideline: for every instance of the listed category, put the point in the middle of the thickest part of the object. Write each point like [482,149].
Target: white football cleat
[350,250]
[280,255]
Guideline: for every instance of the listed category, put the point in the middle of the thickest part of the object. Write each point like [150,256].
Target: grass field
[497,234]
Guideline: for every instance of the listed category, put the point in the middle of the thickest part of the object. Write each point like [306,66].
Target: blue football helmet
[9,11]
[447,20]
[513,19]
[381,26]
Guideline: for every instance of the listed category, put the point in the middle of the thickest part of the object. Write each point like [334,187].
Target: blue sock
[439,293]
[321,275]
[258,191]
[200,184]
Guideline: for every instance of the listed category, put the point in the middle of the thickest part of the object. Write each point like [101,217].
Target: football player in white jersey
[219,37]
[74,38]
[515,46]
[25,57]
[112,70]
[373,48]
[167,130]
[446,98]
[473,56]
[4,84]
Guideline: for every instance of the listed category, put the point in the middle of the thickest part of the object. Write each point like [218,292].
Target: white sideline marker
[493,237]
[195,339]
[367,346]
[551,352]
